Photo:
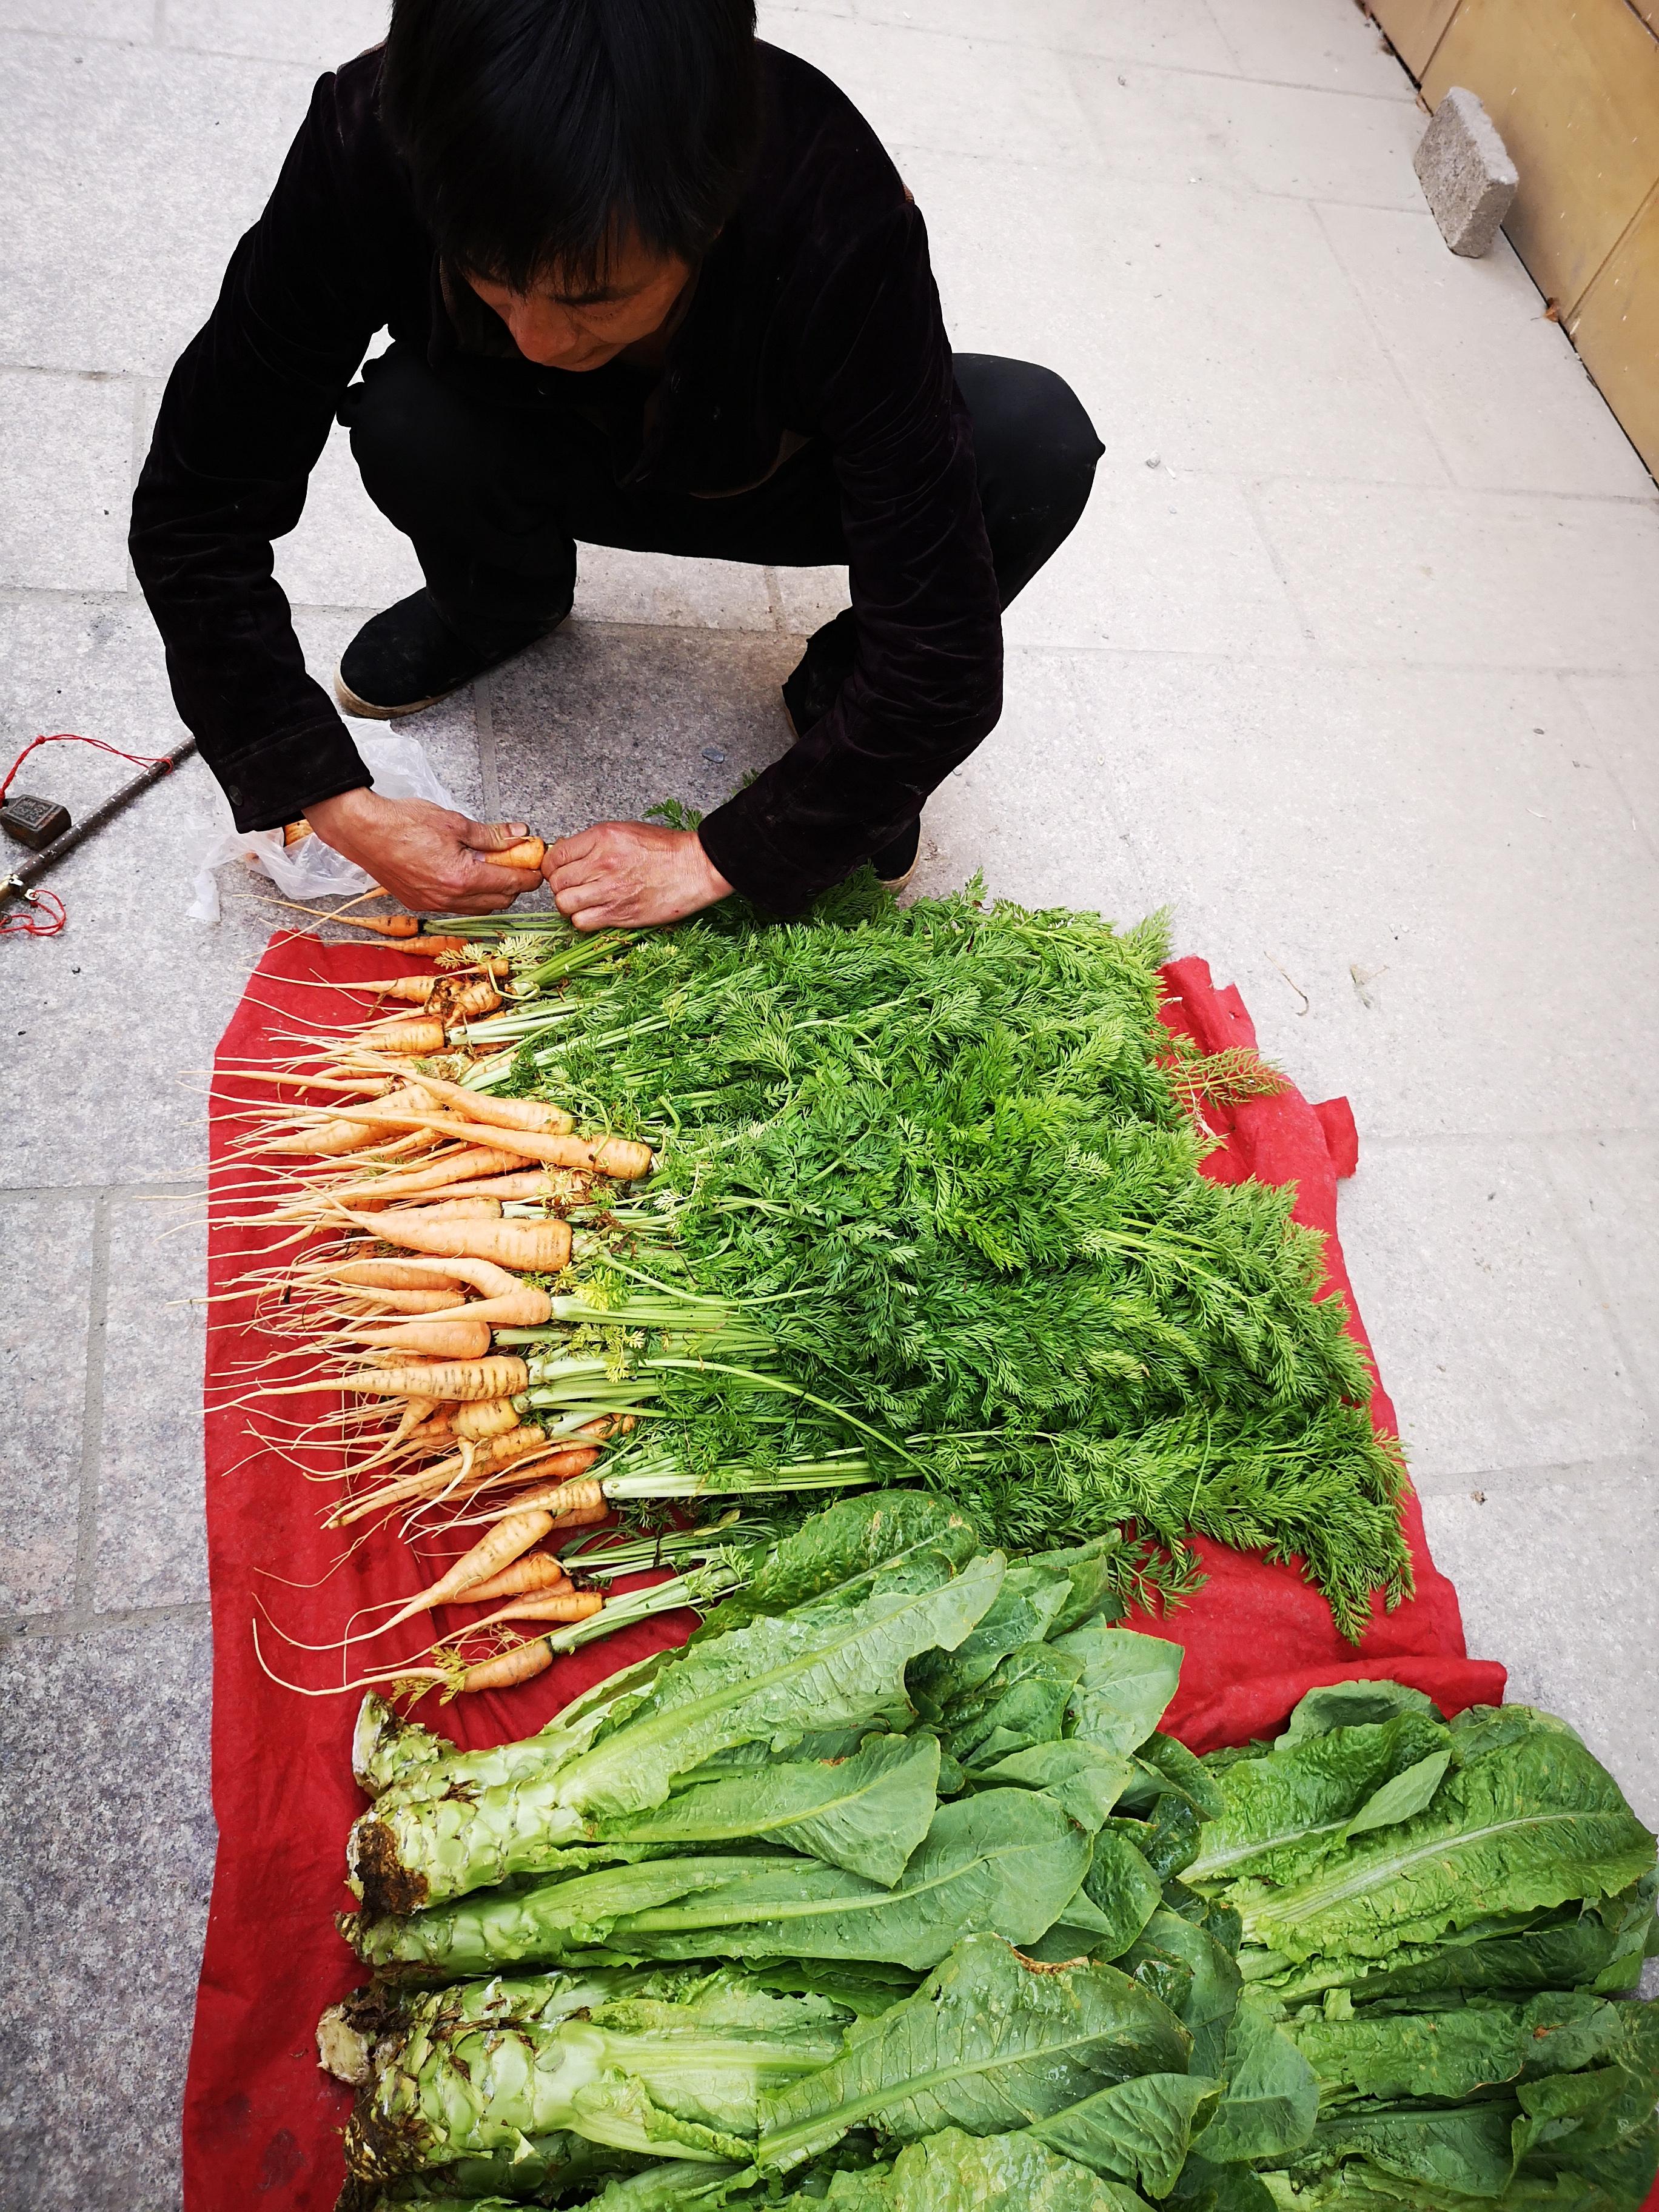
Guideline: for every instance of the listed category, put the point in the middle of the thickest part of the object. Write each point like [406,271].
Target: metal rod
[36,866]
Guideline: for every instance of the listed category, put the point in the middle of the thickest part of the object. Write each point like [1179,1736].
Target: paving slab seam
[1610,1304]
[1513,1135]
[157,1187]
[73,1621]
[1299,613]
[92,1417]
[1509,1481]
[1384,350]
[483,731]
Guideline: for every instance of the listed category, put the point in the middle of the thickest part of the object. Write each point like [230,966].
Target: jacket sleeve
[247,411]
[926,682]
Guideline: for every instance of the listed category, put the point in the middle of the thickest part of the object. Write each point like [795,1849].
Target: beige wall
[1573,86]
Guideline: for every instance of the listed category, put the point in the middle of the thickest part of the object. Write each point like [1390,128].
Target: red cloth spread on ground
[261,2121]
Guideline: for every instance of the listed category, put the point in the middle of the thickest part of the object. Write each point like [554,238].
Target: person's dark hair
[537,133]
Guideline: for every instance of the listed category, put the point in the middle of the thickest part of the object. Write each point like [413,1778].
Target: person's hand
[625,875]
[432,859]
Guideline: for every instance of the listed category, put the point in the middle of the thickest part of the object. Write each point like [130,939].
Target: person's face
[584,326]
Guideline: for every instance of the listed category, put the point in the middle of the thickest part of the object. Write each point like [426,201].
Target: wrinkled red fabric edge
[262,2123]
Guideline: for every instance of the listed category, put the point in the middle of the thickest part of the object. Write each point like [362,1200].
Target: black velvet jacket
[816,313]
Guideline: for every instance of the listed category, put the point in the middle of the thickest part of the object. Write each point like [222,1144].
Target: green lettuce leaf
[840,1550]
[1270,2101]
[952,2172]
[1127,1683]
[1354,1704]
[1084,1778]
[1123,1888]
[1525,1819]
[867,1813]
[989,2043]
[1209,1997]
[1140,2130]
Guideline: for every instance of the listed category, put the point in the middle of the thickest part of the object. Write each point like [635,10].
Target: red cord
[69,737]
[24,924]
[46,915]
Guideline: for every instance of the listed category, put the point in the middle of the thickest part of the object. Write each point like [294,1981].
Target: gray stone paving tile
[964,95]
[1152,298]
[598,723]
[152,1541]
[1558,1583]
[1623,713]
[128,174]
[1502,580]
[1609,1188]
[66,460]
[105,1857]
[614,585]
[1164,560]
[1437,860]
[320,33]
[45,1298]
[1295,140]
[133,20]
[1293,43]
[344,553]
[1459,330]
[1490,1331]
[1176,33]
[1076,854]
[93,667]
[131,967]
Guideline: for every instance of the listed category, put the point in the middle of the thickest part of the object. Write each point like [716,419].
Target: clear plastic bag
[398,767]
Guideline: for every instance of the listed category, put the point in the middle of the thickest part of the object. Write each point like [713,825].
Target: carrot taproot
[465,1471]
[521,1664]
[396,925]
[534,1571]
[527,1308]
[493,1552]
[620,1158]
[433,1305]
[393,1274]
[572,1505]
[455,998]
[563,1605]
[441,1339]
[434,948]
[418,1036]
[448,1209]
[334,1135]
[472,1163]
[541,1247]
[527,852]
[521,1186]
[451,1381]
[503,1113]
[490,1417]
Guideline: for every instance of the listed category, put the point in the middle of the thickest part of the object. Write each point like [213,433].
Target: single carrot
[491,1417]
[470,1468]
[418,1037]
[397,925]
[325,1138]
[503,1113]
[620,1158]
[503,1544]
[541,1247]
[448,1209]
[522,1309]
[453,1381]
[457,999]
[535,1571]
[521,1664]
[526,1186]
[572,1505]
[441,1339]
[434,1304]
[393,1274]
[528,852]
[545,1605]
[434,948]
[473,1163]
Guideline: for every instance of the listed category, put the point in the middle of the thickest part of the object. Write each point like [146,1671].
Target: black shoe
[408,658]
[896,864]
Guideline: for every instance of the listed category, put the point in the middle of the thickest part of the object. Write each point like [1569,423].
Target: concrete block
[1467,176]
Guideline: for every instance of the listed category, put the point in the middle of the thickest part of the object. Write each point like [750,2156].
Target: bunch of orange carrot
[393,1262]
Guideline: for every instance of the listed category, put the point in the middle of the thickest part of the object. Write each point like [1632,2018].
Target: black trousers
[495,499]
